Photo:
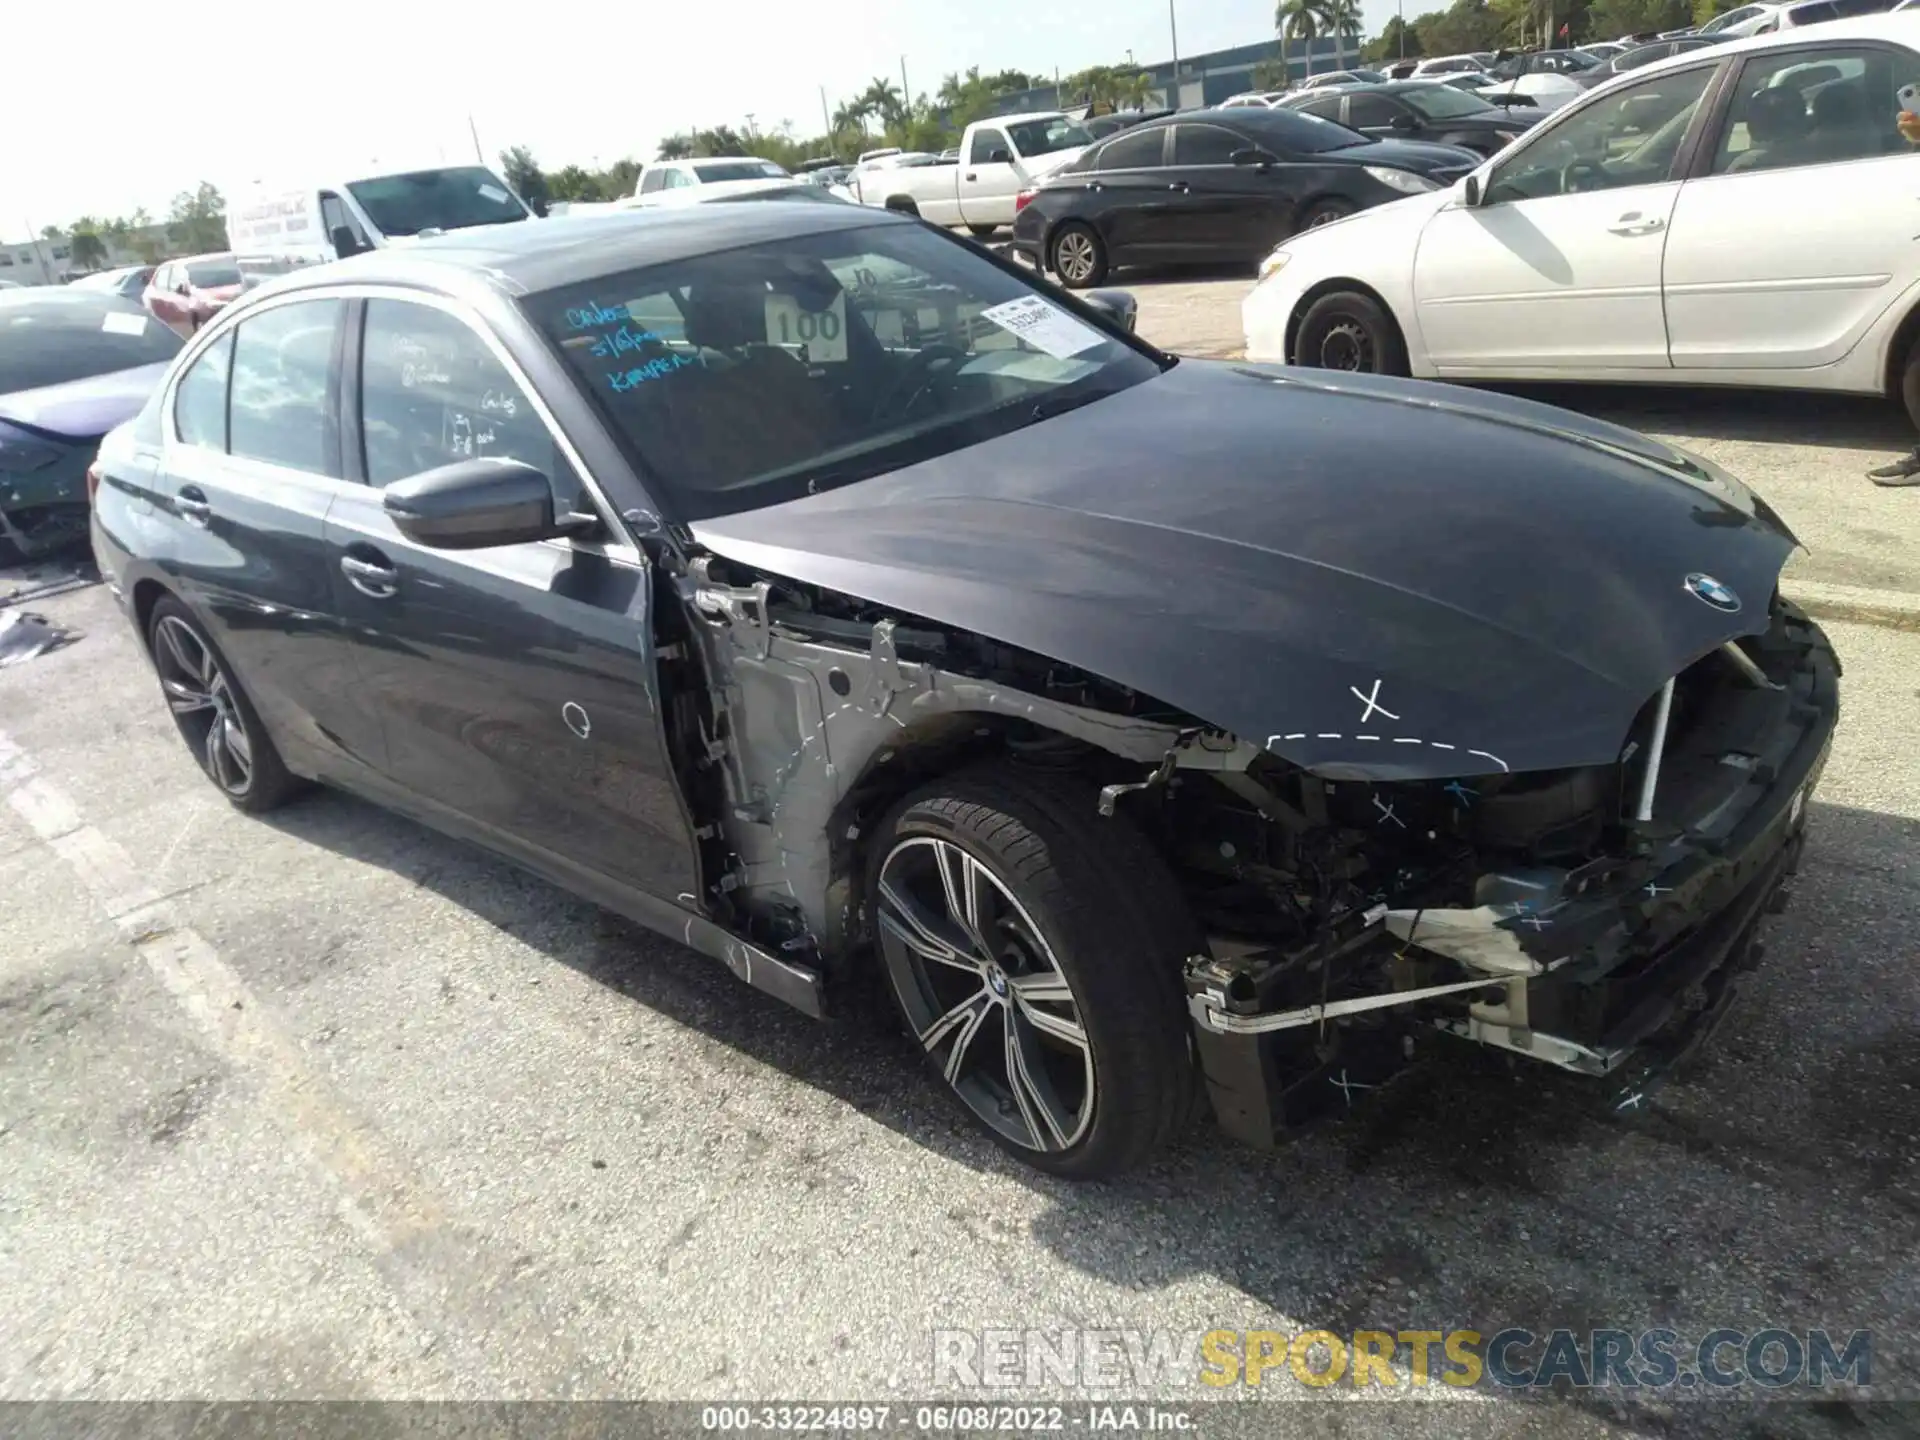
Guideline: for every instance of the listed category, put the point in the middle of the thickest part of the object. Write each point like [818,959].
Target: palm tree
[882,98]
[1130,90]
[1301,20]
[1343,18]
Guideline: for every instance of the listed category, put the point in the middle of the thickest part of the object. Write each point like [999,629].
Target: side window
[1134,150]
[200,399]
[432,393]
[282,396]
[1374,110]
[1327,109]
[1629,138]
[653,180]
[1206,145]
[1818,108]
[676,179]
[163,278]
[983,144]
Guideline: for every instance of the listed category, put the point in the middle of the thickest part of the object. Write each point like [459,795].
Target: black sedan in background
[1215,186]
[1423,110]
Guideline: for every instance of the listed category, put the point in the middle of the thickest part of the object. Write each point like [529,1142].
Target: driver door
[1559,266]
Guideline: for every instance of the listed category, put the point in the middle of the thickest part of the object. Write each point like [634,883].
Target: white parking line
[455,1292]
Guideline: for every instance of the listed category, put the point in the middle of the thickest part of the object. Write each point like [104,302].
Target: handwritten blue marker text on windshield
[593,314]
[632,379]
[606,346]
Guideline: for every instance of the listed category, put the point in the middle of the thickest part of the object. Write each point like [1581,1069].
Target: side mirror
[474,504]
[538,207]
[344,243]
[1404,122]
[999,155]
[1119,306]
[1470,192]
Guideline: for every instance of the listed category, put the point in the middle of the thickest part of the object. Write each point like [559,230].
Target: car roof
[536,255]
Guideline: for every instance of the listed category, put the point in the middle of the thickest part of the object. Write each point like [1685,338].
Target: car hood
[1374,578]
[1038,167]
[83,409]
[1423,157]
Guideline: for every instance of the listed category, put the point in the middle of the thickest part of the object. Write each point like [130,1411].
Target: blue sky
[242,91]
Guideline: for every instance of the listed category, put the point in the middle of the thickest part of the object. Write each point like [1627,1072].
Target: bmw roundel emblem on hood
[1711,592]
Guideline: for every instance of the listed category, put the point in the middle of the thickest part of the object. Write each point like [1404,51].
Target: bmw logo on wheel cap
[1710,591]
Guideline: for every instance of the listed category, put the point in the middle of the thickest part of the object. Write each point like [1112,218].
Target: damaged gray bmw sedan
[819,590]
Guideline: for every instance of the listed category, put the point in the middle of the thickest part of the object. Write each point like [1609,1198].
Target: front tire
[221,728]
[1350,331]
[1325,212]
[1034,950]
[1078,256]
[981,232]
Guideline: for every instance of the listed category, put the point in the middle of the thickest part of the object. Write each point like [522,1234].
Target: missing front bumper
[1623,977]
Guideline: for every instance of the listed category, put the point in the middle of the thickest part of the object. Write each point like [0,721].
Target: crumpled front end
[1595,919]
[43,492]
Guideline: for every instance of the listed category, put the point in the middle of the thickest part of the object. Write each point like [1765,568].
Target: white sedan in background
[1740,215]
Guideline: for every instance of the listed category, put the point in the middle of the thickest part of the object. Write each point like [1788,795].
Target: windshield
[1444,102]
[107,279]
[711,171]
[1732,17]
[756,375]
[1043,137]
[453,199]
[50,336]
[211,274]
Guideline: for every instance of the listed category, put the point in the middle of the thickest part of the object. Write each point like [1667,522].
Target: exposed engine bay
[1571,916]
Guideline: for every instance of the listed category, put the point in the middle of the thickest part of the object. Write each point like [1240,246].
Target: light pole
[1173,33]
[1400,9]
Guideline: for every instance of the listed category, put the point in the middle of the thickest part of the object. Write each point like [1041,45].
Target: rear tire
[981,232]
[1034,950]
[1350,331]
[1078,256]
[1325,212]
[221,728]
[901,205]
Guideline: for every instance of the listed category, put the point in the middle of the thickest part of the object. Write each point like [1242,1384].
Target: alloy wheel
[1073,255]
[984,994]
[1347,346]
[203,705]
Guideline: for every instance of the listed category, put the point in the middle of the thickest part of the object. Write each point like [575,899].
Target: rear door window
[200,399]
[1135,150]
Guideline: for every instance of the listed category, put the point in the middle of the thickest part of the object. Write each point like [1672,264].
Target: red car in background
[185,294]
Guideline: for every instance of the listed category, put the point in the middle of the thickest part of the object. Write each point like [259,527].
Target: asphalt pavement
[323,1105]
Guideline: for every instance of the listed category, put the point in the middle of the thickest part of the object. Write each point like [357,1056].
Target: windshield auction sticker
[1043,326]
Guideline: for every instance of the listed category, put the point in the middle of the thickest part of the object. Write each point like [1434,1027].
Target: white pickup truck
[998,159]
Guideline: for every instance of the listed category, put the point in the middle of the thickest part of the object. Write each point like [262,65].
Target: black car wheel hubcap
[1347,346]
[984,994]
[1073,256]
[203,707]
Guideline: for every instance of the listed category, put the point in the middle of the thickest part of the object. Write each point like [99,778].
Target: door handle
[1179,186]
[972,176]
[382,582]
[192,504]
[1631,224]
